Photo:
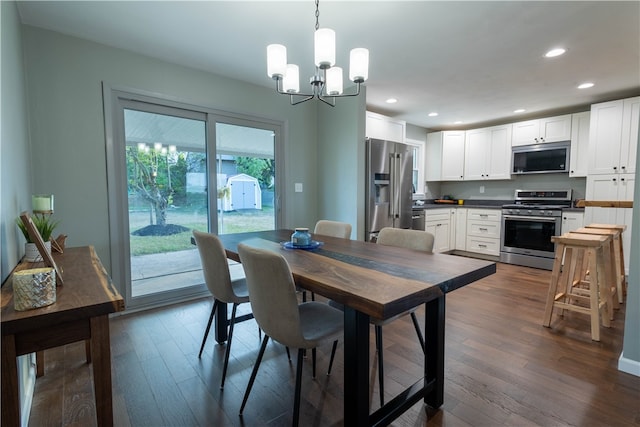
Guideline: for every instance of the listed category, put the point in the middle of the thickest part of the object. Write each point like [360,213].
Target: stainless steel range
[528,225]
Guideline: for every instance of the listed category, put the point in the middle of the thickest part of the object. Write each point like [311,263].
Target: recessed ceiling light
[434,114]
[555,52]
[585,85]
[519,110]
[391,101]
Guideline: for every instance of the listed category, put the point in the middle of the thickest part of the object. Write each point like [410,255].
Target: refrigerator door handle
[392,185]
[398,177]
[396,186]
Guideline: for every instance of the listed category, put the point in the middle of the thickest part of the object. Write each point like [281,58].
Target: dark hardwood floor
[502,369]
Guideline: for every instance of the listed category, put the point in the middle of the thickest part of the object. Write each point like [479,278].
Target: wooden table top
[381,281]
[87,292]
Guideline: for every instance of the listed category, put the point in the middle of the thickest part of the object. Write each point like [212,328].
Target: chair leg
[288,354]
[228,349]
[333,353]
[418,331]
[313,362]
[380,363]
[296,400]
[206,332]
[254,372]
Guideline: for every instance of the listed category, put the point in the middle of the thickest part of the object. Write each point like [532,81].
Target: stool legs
[570,290]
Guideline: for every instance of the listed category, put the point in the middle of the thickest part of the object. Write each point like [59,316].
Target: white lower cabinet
[572,221]
[483,231]
[459,231]
[438,223]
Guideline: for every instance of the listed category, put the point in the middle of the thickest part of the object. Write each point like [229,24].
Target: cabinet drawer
[483,246]
[494,215]
[437,217]
[483,229]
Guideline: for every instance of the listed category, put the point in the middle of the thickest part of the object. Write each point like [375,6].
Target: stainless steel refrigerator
[389,186]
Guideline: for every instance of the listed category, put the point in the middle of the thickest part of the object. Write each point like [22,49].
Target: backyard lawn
[228,222]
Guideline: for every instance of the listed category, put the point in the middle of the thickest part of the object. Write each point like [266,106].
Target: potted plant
[45,226]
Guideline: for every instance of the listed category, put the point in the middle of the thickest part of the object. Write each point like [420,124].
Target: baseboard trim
[629,366]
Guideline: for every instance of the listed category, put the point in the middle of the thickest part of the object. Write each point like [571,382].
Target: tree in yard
[262,169]
[150,177]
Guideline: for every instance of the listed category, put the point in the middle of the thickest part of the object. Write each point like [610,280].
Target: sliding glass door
[174,170]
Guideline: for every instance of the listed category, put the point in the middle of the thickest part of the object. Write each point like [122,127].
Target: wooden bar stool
[615,275]
[619,254]
[564,295]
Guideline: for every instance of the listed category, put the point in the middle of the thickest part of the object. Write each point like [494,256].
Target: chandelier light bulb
[276,60]
[359,65]
[333,85]
[325,48]
[291,80]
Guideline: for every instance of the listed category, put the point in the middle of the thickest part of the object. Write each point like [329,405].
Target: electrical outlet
[298,187]
[481,189]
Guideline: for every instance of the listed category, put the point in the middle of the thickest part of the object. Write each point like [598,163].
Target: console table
[80,313]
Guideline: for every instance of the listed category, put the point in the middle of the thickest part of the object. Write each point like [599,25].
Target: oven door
[529,235]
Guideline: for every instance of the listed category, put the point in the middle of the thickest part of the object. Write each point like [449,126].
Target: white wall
[67,130]
[15,176]
[341,162]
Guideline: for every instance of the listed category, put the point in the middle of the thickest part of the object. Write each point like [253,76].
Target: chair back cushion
[411,239]
[214,266]
[333,229]
[272,294]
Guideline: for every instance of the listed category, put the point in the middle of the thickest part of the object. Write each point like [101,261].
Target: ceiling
[474,62]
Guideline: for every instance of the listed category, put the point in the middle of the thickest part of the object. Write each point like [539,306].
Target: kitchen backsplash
[504,190]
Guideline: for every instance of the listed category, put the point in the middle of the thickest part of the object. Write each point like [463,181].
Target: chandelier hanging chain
[326,83]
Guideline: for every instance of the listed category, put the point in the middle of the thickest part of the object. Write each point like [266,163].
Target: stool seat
[570,289]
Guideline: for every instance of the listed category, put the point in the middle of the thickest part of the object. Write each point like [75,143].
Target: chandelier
[326,83]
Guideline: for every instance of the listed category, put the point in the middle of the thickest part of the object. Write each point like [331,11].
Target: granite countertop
[471,203]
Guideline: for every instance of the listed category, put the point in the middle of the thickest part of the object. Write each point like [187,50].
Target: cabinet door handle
[615,168]
[621,179]
[482,246]
[483,229]
[622,167]
[614,180]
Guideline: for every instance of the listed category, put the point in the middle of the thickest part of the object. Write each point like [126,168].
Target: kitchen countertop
[478,204]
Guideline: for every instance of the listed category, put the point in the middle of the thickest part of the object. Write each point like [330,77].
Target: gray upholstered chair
[226,285]
[275,307]
[325,227]
[410,239]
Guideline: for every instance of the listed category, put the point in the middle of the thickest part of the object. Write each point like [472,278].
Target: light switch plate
[298,187]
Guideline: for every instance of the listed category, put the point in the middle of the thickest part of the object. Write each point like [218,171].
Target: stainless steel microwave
[541,158]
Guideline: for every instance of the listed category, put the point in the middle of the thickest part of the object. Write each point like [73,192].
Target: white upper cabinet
[445,156]
[433,157]
[579,157]
[613,136]
[452,155]
[383,127]
[550,129]
[488,153]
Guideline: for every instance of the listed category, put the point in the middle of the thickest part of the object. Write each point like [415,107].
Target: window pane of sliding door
[166,165]
[246,178]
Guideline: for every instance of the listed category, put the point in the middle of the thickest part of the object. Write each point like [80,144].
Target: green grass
[232,222]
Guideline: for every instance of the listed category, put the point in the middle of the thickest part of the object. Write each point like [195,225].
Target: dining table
[372,281]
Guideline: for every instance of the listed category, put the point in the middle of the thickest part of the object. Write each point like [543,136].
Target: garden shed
[244,193]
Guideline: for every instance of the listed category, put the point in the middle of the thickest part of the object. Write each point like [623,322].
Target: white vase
[31,253]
